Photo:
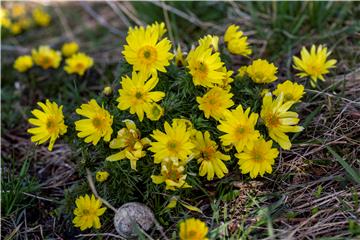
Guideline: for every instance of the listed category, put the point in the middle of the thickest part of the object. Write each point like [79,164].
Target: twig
[100,19]
[93,189]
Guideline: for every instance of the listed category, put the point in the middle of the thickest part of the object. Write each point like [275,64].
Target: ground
[314,189]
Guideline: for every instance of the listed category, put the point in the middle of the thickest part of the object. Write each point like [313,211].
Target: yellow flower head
[107,91]
[4,17]
[157,29]
[215,102]
[97,124]
[227,79]
[239,127]
[236,41]
[261,71]
[46,57]
[258,158]
[211,160]
[23,63]
[15,28]
[49,123]
[40,17]
[78,63]
[193,229]
[87,212]
[210,42]
[172,173]
[179,57]
[205,66]
[136,93]
[129,142]
[189,126]
[174,143]
[279,120]
[155,112]
[145,52]
[69,49]
[314,63]
[291,91]
[102,176]
[242,71]
[18,10]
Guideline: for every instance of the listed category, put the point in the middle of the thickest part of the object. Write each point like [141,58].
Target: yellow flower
[97,125]
[46,57]
[179,57]
[107,91]
[155,112]
[172,173]
[239,127]
[189,126]
[227,79]
[279,120]
[211,160]
[18,10]
[69,49]
[242,71]
[174,143]
[215,102]
[258,158]
[193,229]
[205,67]
[49,123]
[314,63]
[78,63]
[87,212]
[102,176]
[210,42]
[157,29]
[261,71]
[264,92]
[15,28]
[41,18]
[144,52]
[236,42]
[129,141]
[292,91]
[23,63]
[136,93]
[4,17]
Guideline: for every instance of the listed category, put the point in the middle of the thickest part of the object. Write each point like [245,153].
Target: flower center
[79,66]
[288,97]
[201,70]
[46,61]
[138,95]
[97,122]
[147,55]
[51,124]
[207,153]
[241,130]
[272,120]
[172,145]
[191,234]
[85,212]
[257,157]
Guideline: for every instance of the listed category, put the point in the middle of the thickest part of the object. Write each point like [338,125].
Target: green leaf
[355,176]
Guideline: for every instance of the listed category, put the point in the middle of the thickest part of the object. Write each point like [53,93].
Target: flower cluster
[18,17]
[235,128]
[46,58]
